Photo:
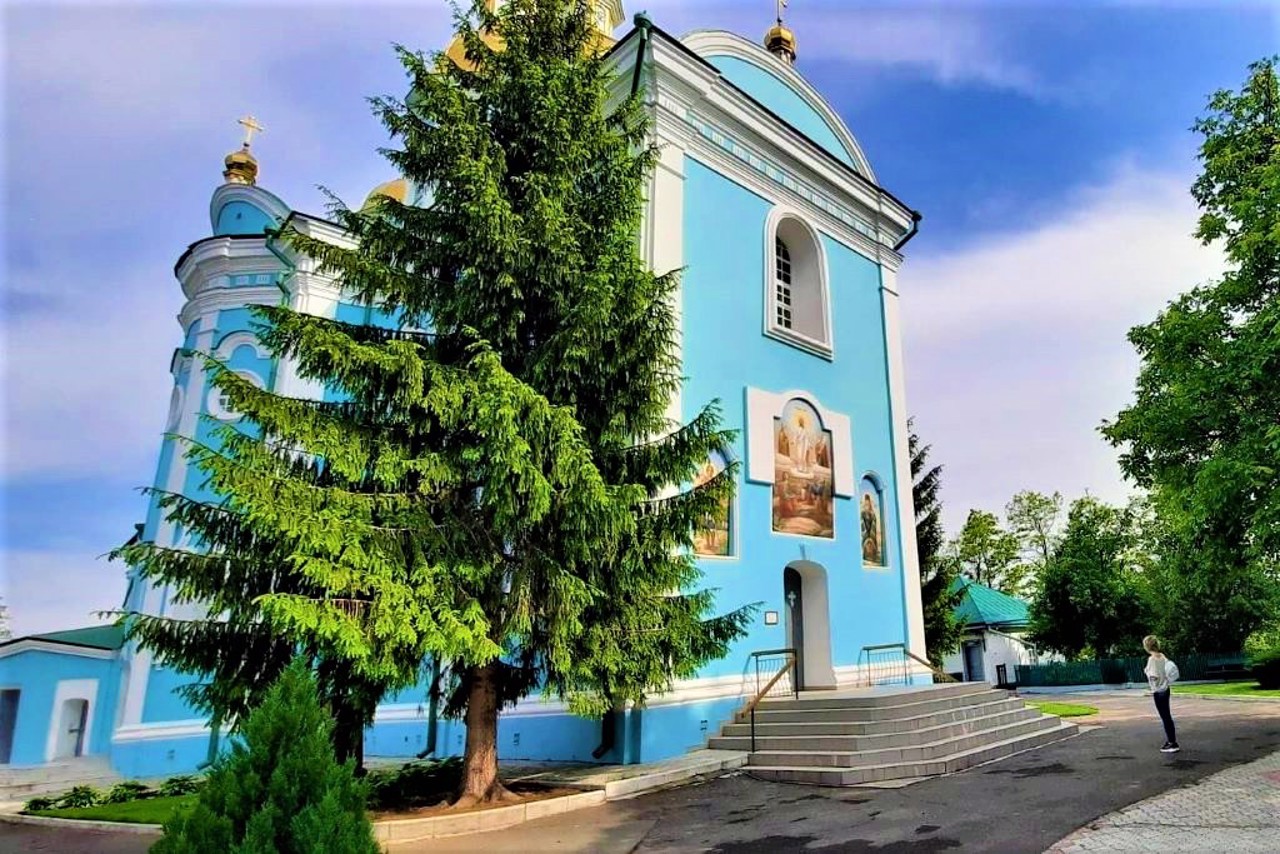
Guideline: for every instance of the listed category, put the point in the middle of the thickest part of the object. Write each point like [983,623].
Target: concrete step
[870,698]
[24,782]
[859,713]
[917,752]
[789,737]
[903,770]
[893,725]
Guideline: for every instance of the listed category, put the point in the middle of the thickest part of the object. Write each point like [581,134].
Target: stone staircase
[869,735]
[21,783]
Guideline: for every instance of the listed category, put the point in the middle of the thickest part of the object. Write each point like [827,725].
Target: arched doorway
[71,731]
[804,590]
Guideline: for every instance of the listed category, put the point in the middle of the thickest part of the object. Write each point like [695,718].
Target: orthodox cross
[251,127]
[782,4]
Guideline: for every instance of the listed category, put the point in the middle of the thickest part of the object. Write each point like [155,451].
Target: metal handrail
[761,693]
[938,672]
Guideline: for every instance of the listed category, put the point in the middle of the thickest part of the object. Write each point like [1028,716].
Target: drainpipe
[215,734]
[608,733]
[915,229]
[645,26]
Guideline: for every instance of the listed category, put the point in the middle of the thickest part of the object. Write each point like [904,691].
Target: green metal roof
[982,606]
[95,637]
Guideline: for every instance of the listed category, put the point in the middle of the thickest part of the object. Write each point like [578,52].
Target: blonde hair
[1151,643]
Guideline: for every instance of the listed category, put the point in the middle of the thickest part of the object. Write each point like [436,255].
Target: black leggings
[1166,717]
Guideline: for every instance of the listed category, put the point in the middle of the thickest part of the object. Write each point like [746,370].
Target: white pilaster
[663,239]
[902,460]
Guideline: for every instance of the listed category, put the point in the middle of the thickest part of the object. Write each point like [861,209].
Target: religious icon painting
[872,519]
[714,536]
[803,485]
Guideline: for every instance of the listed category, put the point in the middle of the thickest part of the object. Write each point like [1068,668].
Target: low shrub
[80,796]
[1264,665]
[183,784]
[415,784]
[39,804]
[129,790]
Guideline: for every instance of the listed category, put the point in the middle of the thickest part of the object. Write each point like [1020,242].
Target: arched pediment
[781,89]
[239,209]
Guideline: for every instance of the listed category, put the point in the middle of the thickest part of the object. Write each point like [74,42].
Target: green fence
[1118,671]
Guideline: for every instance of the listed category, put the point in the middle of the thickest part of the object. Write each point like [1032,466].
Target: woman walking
[1161,673]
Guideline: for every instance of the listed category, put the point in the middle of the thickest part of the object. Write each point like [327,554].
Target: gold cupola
[780,41]
[242,166]
[607,15]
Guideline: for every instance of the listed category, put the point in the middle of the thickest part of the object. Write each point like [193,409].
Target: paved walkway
[1236,810]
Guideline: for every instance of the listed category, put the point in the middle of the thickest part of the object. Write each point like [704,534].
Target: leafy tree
[1033,518]
[493,489]
[1201,432]
[938,572]
[1088,598]
[280,788]
[988,554]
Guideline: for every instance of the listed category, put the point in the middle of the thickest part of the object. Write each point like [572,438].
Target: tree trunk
[480,783]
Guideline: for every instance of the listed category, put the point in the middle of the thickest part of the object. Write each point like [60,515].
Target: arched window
[798,312]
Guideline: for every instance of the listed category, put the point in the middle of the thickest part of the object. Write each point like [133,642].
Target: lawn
[1227,689]
[144,811]
[1064,710]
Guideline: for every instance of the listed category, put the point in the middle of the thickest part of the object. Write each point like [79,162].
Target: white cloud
[1016,347]
[84,585]
[953,45]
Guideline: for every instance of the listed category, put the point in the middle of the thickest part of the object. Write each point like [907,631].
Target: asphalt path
[1025,803]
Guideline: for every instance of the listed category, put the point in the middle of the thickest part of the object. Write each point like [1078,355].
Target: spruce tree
[279,790]
[499,486]
[938,572]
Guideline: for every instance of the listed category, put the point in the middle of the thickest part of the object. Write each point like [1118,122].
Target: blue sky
[1046,144]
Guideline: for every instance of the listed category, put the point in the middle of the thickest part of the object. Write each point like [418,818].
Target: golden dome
[397,189]
[241,167]
[781,42]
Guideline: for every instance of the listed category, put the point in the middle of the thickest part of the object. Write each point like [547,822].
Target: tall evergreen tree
[500,487]
[938,572]
[1201,432]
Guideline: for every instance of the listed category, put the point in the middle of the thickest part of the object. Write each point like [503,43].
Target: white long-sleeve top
[1157,672]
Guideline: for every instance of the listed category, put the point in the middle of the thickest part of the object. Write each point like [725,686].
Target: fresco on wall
[714,537]
[872,525]
[803,488]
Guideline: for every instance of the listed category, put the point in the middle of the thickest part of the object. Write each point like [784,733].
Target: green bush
[129,790]
[279,789]
[80,796]
[39,804]
[183,784]
[1265,667]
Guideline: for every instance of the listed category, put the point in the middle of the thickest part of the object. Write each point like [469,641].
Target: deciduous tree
[1201,433]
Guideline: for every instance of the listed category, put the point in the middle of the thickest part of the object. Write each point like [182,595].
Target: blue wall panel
[723,293]
[36,674]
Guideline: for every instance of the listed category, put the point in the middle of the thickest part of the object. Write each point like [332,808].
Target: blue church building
[789,307]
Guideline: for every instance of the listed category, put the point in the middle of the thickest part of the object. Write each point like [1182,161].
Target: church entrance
[71,733]
[793,591]
[804,593]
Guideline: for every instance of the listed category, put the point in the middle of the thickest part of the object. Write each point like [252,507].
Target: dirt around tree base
[517,793]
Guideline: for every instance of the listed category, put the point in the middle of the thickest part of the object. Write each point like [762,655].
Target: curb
[395,831]
[83,824]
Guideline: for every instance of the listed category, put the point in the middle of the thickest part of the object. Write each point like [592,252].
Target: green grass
[1227,689]
[1064,710]
[145,811]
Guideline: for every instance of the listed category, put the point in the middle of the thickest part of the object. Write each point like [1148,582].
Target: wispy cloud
[954,44]
[1016,345]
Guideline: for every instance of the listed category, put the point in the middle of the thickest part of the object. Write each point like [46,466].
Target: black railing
[776,676]
[885,664]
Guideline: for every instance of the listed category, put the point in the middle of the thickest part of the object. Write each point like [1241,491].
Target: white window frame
[773,329]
